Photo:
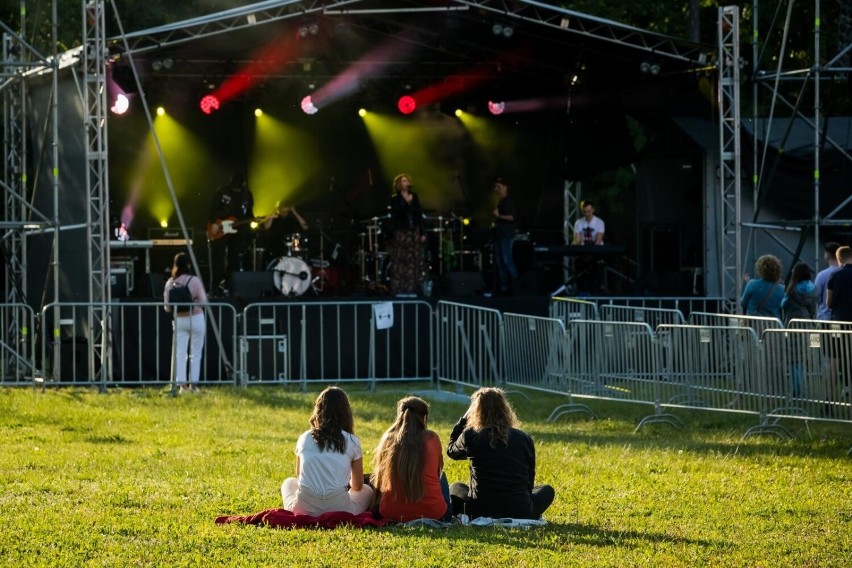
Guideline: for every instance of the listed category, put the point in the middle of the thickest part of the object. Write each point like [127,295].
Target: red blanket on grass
[284,519]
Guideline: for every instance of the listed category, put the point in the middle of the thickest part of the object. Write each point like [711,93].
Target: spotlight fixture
[121,104]
[504,30]
[496,108]
[161,111]
[406,104]
[648,67]
[308,29]
[362,112]
[308,105]
[209,103]
[459,112]
[162,64]
[258,112]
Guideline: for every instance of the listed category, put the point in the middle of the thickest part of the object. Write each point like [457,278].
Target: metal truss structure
[730,154]
[822,70]
[21,62]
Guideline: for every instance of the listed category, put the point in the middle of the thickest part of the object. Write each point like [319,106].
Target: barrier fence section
[685,305]
[297,342]
[611,360]
[757,323]
[654,317]
[541,363]
[68,355]
[569,309]
[469,345]
[808,373]
[17,344]
[711,367]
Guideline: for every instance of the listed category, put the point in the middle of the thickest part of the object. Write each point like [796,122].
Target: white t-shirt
[326,472]
[589,229]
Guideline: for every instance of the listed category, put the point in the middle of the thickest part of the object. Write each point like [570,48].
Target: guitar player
[229,230]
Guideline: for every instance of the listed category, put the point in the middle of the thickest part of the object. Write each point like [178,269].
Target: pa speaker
[465,283]
[252,285]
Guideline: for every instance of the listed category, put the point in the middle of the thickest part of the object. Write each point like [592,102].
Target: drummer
[280,228]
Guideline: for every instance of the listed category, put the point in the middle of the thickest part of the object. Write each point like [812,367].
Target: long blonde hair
[490,410]
[399,457]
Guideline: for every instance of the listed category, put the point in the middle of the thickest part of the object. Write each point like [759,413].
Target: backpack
[180,294]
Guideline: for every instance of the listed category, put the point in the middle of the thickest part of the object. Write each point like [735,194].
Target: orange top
[432,504]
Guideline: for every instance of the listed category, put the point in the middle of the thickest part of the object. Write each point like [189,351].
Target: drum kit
[296,272]
[443,251]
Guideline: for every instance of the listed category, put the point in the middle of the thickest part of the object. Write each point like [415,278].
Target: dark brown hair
[331,417]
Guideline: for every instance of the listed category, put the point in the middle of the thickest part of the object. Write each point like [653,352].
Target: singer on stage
[408,238]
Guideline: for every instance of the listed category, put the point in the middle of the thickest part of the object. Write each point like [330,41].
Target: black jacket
[501,477]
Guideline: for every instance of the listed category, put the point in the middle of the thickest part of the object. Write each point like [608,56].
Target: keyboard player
[589,230]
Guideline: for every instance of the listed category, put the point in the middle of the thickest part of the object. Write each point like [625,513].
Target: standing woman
[189,326]
[762,296]
[329,462]
[407,468]
[801,296]
[406,248]
[502,462]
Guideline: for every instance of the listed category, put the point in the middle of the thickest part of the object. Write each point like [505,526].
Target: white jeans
[303,501]
[189,333]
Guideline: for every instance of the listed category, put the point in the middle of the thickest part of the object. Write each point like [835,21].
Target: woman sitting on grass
[407,467]
[329,462]
[502,462]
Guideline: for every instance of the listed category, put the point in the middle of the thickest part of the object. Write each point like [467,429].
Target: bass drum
[291,275]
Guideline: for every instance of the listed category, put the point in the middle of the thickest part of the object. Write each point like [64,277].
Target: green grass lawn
[135,477]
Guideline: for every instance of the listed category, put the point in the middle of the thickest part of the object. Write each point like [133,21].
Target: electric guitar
[227,226]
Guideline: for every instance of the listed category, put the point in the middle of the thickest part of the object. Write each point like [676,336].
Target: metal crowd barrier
[296,342]
[757,323]
[785,373]
[72,353]
[654,317]
[569,309]
[469,345]
[17,344]
[685,305]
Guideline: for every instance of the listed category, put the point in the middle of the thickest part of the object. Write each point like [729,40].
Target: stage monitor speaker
[157,284]
[252,285]
[464,283]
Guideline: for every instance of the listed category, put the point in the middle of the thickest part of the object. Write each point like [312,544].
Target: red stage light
[496,108]
[406,104]
[209,103]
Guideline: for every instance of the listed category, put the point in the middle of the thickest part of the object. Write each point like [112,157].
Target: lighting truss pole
[97,221]
[571,195]
[14,135]
[730,155]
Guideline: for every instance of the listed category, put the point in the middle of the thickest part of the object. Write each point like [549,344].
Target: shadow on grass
[555,536]
[693,438]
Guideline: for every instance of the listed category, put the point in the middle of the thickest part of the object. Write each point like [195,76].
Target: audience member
[801,295]
[502,462]
[329,462]
[821,282]
[762,296]
[408,467]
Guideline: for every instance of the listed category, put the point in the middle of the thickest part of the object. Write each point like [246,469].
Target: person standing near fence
[502,462]
[762,296]
[821,282]
[801,295]
[839,301]
[189,324]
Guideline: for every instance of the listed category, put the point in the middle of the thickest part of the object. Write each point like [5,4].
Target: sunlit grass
[135,477]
